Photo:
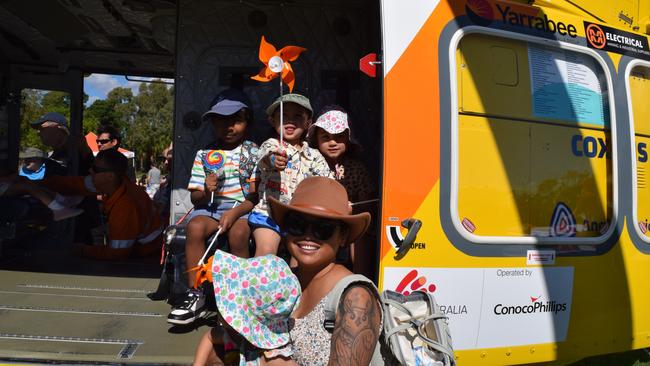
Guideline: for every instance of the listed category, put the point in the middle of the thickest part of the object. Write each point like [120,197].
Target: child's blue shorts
[214,210]
[258,220]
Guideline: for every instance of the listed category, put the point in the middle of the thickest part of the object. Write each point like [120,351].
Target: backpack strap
[333,298]
[442,346]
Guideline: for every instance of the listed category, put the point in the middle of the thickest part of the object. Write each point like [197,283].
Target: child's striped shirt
[225,163]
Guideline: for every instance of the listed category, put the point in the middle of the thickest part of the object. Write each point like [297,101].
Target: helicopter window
[639,91]
[534,149]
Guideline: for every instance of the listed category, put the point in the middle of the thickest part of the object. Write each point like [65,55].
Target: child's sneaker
[65,213]
[188,309]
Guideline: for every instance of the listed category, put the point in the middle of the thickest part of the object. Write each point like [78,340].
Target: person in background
[133,221]
[108,137]
[36,165]
[163,196]
[53,130]
[153,178]
[58,204]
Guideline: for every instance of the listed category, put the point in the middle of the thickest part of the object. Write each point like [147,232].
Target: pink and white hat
[333,122]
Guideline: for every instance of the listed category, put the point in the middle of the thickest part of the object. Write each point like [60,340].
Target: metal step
[62,317]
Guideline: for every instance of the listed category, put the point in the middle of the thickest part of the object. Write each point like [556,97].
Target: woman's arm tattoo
[357,327]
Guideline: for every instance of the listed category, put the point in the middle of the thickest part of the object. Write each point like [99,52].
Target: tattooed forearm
[357,327]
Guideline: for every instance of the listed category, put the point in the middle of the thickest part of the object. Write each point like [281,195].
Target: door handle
[413,226]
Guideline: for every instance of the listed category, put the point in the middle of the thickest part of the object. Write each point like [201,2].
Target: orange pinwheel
[277,62]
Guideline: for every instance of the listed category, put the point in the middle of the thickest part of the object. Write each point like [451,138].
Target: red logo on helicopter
[411,282]
[479,12]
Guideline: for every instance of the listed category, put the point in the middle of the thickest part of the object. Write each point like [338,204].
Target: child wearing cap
[255,298]
[332,136]
[281,168]
[219,187]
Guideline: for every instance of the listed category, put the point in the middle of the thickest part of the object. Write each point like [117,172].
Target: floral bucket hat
[255,297]
[333,122]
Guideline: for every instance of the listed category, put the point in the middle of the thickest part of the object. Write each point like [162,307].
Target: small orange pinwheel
[277,62]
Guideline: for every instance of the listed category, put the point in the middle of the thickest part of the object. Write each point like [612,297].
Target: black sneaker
[187,310]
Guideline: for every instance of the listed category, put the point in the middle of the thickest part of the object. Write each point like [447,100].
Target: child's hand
[279,160]
[211,183]
[227,220]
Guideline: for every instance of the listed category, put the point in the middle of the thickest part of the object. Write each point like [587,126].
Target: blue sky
[97,86]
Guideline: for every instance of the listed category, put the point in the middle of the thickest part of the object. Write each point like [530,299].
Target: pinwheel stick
[281,116]
[202,260]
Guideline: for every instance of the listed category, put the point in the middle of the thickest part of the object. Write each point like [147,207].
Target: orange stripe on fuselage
[412,122]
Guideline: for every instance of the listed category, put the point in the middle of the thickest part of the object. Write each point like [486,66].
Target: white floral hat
[255,297]
[333,122]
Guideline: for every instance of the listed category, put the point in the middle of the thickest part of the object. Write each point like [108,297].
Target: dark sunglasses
[298,225]
[98,169]
[102,141]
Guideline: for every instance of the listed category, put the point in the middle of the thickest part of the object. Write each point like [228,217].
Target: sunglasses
[102,141]
[322,229]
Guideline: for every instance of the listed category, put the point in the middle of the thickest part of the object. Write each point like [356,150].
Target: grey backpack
[414,331]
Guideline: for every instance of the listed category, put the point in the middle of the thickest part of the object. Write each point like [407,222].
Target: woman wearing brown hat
[317,222]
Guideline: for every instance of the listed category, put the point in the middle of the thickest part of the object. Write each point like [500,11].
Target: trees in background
[151,130]
[145,120]
[118,109]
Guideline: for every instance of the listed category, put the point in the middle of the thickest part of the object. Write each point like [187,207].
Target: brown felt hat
[325,198]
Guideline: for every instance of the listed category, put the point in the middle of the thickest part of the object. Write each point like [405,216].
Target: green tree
[151,130]
[118,109]
[30,109]
[56,101]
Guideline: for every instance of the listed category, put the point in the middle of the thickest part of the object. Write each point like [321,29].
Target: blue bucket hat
[50,117]
[227,103]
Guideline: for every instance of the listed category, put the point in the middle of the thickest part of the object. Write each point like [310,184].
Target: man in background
[163,196]
[108,137]
[35,165]
[153,178]
[53,130]
[133,222]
